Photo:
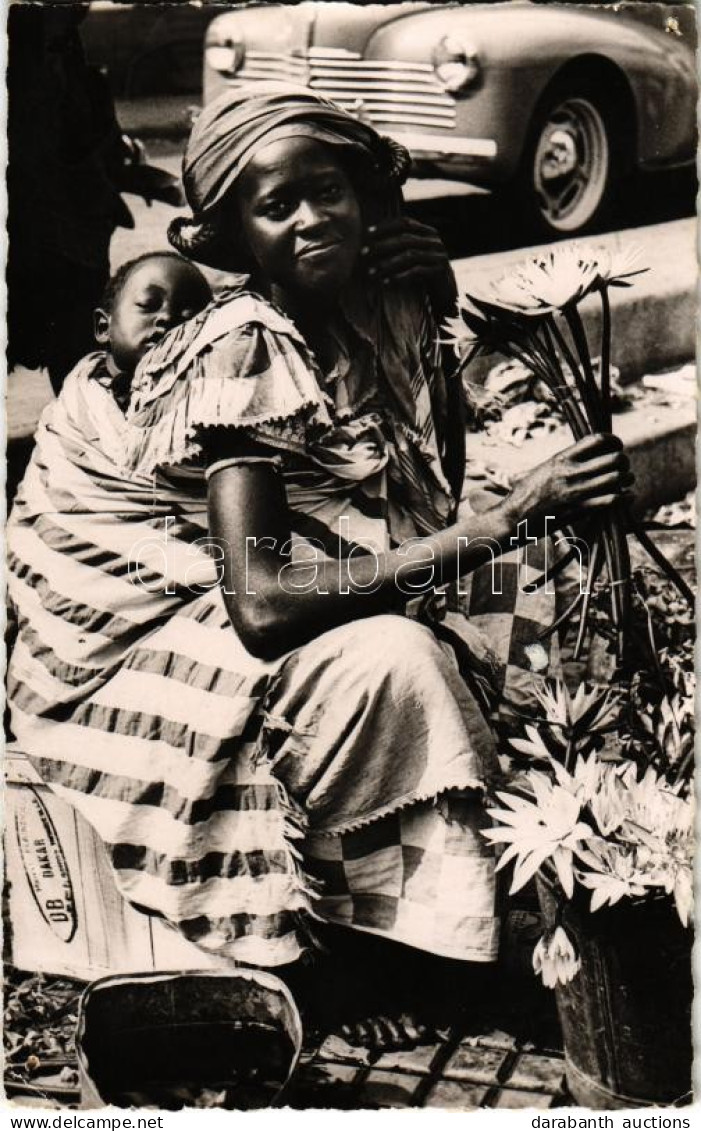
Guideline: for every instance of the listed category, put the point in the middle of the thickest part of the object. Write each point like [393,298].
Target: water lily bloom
[594,709]
[533,745]
[589,710]
[653,807]
[456,334]
[470,332]
[546,283]
[665,850]
[615,266]
[554,698]
[684,894]
[672,869]
[555,959]
[612,872]
[608,803]
[584,779]
[545,827]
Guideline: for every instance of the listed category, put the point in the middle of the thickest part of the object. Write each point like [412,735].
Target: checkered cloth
[414,876]
[513,612]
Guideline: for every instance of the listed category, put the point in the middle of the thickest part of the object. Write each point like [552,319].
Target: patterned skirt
[239,799]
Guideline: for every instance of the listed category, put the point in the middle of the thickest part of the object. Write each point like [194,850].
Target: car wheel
[571,165]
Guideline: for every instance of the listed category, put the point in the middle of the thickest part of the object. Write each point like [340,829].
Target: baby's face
[157,295]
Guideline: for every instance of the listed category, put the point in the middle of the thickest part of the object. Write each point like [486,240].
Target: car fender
[524,48]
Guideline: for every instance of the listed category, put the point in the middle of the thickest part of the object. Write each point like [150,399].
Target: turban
[234,127]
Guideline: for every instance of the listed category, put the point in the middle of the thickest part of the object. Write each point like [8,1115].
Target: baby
[144,299]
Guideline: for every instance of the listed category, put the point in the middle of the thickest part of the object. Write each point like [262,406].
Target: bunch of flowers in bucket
[599,827]
[532,316]
[602,810]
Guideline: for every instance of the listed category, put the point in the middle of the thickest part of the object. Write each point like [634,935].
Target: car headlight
[226,58]
[456,64]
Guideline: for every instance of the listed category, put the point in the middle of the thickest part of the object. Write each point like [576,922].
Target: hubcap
[571,165]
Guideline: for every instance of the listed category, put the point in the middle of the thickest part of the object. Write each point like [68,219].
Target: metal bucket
[196,1039]
[626,1016]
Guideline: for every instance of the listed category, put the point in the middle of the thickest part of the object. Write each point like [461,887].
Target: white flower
[587,711]
[684,894]
[612,872]
[546,827]
[653,806]
[533,745]
[457,335]
[471,332]
[555,959]
[584,780]
[615,266]
[596,708]
[608,804]
[554,698]
[537,656]
[548,282]
[665,852]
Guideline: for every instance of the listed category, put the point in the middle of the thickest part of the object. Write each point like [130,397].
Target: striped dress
[240,799]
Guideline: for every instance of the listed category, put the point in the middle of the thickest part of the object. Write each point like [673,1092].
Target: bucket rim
[262,978]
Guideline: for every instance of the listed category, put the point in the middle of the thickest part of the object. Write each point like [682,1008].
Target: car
[554,105]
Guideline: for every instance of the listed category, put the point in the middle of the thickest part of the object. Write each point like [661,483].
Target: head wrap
[234,127]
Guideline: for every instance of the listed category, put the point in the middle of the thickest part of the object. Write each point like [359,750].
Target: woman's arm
[276,606]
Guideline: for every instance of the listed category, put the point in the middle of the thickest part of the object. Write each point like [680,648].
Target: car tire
[572,164]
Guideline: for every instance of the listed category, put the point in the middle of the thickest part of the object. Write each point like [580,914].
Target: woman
[268,738]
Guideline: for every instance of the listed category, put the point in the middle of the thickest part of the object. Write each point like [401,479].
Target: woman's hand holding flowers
[591,474]
[405,251]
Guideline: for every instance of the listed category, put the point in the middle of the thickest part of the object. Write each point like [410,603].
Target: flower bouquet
[607,830]
[532,316]
[589,819]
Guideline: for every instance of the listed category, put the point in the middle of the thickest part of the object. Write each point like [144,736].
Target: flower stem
[613,577]
[570,754]
[586,392]
[576,327]
[562,618]
[606,413]
[594,566]
[661,679]
[658,557]
[619,577]
[550,574]
[576,419]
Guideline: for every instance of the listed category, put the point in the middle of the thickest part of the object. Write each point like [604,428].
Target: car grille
[387,94]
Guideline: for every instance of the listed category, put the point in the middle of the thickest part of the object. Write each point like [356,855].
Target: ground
[508,1055]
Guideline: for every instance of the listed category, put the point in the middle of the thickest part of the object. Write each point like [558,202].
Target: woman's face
[301,217]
